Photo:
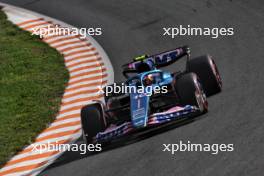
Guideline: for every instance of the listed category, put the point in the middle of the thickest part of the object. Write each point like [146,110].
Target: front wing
[172,114]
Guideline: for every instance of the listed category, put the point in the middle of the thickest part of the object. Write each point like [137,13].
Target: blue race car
[155,97]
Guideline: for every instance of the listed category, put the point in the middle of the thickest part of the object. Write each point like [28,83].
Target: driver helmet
[149,80]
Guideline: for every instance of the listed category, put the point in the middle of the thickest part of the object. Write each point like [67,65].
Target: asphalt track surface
[131,28]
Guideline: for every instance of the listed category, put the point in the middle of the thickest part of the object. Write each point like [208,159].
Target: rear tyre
[190,91]
[206,70]
[92,121]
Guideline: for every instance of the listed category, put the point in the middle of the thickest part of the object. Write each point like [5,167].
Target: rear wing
[169,57]
[155,61]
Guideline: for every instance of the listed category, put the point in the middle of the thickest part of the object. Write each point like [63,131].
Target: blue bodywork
[139,100]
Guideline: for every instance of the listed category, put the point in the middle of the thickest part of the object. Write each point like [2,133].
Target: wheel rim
[84,137]
[216,73]
[200,97]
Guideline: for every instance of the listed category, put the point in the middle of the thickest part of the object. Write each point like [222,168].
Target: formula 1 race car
[185,96]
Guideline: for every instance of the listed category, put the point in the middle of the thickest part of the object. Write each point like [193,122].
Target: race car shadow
[70,156]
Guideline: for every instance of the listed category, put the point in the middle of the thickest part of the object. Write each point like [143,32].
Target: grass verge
[32,81]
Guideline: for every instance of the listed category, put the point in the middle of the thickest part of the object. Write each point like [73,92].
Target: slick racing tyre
[190,91]
[206,69]
[92,121]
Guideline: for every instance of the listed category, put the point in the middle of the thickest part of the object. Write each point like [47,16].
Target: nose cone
[139,104]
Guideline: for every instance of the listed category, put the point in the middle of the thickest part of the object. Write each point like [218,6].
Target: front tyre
[206,69]
[92,121]
[190,91]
